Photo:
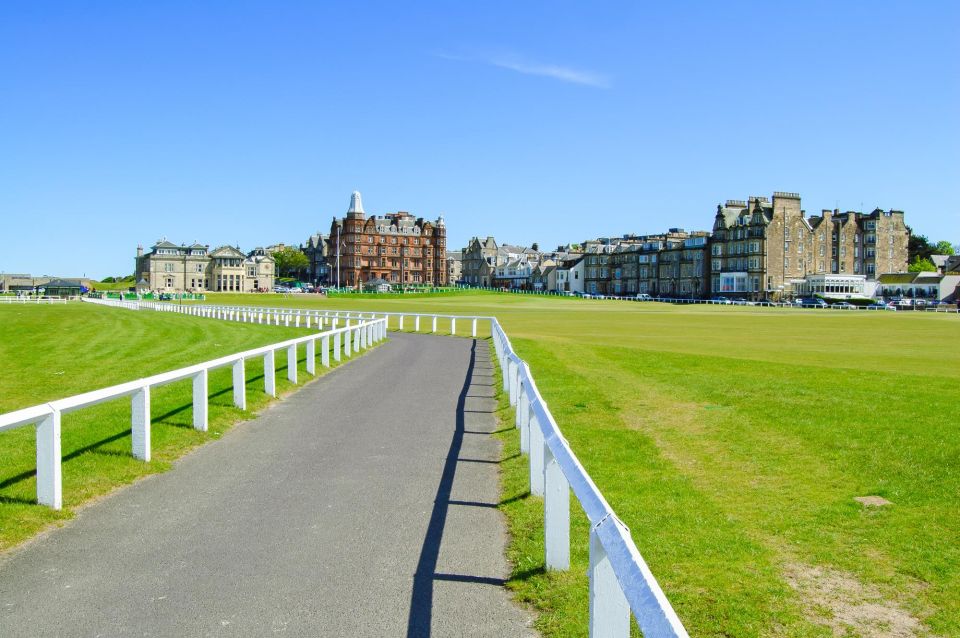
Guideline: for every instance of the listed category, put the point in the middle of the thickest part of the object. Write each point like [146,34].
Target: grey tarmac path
[362,505]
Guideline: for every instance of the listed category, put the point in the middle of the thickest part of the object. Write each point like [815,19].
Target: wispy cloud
[529,67]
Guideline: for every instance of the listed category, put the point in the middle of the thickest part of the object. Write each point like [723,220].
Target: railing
[10,299]
[116,303]
[47,417]
[684,300]
[621,583]
[299,317]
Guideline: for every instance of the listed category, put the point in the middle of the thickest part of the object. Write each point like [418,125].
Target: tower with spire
[397,248]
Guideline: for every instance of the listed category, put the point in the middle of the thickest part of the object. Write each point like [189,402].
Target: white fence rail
[12,299]
[305,318]
[47,417]
[621,583]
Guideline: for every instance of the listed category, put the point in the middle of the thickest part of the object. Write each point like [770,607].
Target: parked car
[642,296]
[811,302]
[844,305]
[721,300]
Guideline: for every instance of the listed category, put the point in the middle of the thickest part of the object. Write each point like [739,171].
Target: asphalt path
[362,505]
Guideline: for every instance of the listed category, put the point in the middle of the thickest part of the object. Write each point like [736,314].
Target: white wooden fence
[13,299]
[47,416]
[621,584]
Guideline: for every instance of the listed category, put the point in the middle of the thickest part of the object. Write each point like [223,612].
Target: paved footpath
[363,505]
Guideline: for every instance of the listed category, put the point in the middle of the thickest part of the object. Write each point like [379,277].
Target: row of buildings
[758,248]
[387,250]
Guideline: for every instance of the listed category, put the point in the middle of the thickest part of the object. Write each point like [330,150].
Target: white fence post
[325,351]
[474,333]
[356,340]
[453,325]
[311,354]
[556,513]
[140,423]
[292,363]
[347,342]
[609,611]
[416,323]
[269,374]
[336,344]
[525,417]
[536,456]
[433,329]
[364,331]
[518,413]
[49,474]
[240,384]
[401,324]
[200,411]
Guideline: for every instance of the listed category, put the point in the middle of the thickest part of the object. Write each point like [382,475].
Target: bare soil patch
[848,607]
[872,501]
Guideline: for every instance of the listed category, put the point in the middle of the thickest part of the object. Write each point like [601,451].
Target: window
[168,267]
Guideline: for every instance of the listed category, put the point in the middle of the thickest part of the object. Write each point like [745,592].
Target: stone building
[396,247]
[454,266]
[168,267]
[762,248]
[317,250]
[479,262]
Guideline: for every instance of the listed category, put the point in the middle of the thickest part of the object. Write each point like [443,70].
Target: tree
[943,247]
[919,246]
[289,261]
[921,265]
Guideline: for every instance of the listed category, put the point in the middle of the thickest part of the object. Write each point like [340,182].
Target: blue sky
[251,122]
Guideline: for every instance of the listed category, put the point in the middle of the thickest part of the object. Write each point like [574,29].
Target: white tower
[356,206]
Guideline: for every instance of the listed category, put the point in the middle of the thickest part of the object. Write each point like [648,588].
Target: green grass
[732,441]
[50,352]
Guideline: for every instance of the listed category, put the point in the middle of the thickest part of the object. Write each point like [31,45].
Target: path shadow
[421,597]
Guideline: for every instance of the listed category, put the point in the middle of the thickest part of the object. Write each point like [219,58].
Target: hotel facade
[396,249]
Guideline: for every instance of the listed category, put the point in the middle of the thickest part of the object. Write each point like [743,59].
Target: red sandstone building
[395,248]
